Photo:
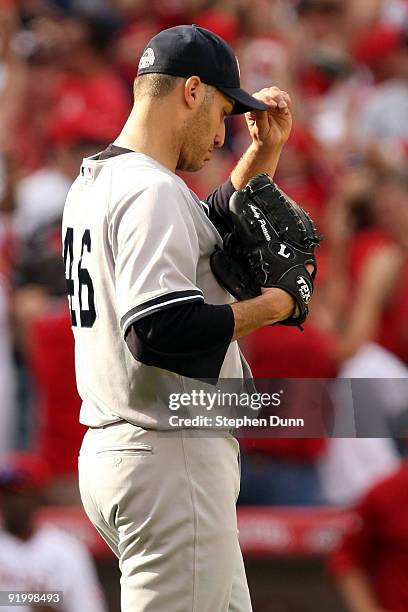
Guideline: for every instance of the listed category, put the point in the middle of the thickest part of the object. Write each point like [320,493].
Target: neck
[151,131]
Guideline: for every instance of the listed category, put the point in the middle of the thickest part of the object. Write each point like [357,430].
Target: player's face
[18,508]
[204,132]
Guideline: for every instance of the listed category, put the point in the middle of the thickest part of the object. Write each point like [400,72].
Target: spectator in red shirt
[51,362]
[304,173]
[88,90]
[47,345]
[63,79]
[380,273]
[282,471]
[370,566]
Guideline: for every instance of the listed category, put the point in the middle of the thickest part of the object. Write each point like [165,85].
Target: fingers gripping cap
[189,50]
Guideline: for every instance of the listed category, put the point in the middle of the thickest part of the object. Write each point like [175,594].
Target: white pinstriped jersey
[136,240]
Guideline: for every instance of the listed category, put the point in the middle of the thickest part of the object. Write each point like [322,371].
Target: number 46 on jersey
[84,286]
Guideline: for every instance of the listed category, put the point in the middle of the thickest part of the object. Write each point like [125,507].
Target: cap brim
[244,102]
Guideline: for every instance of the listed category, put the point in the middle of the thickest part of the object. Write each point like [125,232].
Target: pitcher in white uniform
[149,317]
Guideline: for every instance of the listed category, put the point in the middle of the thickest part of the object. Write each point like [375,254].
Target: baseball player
[40,557]
[148,315]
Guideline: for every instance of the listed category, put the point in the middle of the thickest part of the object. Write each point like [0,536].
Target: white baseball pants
[165,504]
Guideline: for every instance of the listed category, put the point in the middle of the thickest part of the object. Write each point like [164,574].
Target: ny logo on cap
[147,58]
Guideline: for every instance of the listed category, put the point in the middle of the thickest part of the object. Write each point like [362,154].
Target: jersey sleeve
[190,339]
[156,249]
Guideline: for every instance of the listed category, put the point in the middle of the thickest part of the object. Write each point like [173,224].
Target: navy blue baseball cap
[189,50]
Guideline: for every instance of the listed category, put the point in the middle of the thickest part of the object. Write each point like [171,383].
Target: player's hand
[271,128]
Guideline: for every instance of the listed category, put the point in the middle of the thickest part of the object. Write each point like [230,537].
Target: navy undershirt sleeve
[218,207]
[190,340]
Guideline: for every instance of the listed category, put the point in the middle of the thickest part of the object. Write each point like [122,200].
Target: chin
[192,167]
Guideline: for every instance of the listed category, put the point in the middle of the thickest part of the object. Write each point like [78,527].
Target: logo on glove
[258,215]
[304,289]
[283,250]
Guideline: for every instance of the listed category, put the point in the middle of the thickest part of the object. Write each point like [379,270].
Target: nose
[220,136]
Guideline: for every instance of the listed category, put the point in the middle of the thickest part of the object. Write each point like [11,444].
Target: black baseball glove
[271,242]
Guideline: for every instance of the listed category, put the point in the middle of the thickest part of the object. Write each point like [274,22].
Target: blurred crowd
[66,76]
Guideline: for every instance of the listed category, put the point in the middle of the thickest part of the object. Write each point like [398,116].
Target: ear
[194,92]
